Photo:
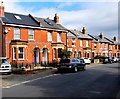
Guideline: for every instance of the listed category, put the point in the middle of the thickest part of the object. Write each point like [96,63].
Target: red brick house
[79,43]
[114,50]
[28,39]
[104,46]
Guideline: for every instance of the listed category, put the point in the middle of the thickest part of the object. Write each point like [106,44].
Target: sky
[96,16]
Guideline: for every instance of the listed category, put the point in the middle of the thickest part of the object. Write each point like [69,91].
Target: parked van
[5,66]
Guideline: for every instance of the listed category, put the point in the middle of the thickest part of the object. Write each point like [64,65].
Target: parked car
[5,66]
[71,64]
[118,59]
[87,60]
[108,60]
[115,59]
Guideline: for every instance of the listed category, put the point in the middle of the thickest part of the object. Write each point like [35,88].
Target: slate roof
[48,23]
[70,35]
[29,20]
[80,35]
[25,19]
[97,38]
[112,41]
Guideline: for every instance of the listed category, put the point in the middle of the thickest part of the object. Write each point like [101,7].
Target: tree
[64,54]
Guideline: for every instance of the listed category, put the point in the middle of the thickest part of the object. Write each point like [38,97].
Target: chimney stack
[101,35]
[84,30]
[2,10]
[114,38]
[56,19]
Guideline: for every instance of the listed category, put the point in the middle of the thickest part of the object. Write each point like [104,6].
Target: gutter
[33,27]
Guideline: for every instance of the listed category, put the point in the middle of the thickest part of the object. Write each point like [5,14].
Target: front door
[45,56]
[36,55]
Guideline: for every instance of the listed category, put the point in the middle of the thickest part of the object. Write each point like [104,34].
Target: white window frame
[58,37]
[31,32]
[22,53]
[49,36]
[16,32]
[54,53]
[81,43]
[14,53]
[100,45]
[86,43]
[105,46]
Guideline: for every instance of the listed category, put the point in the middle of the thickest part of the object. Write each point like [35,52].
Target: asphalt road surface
[97,81]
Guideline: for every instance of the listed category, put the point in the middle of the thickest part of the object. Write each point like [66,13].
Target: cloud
[97,17]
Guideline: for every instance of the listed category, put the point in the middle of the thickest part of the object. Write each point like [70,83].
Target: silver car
[5,66]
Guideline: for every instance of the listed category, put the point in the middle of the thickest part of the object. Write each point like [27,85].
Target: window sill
[21,59]
[73,45]
[31,40]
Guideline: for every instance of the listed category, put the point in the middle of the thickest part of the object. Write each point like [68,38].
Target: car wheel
[75,69]
[84,68]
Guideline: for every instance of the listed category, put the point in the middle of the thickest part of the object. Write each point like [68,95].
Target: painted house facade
[28,39]
[79,43]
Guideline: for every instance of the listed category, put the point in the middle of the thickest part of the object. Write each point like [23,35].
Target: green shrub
[100,57]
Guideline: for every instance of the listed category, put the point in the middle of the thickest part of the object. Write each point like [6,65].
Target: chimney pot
[114,38]
[84,30]
[2,9]
[101,35]
[40,23]
[56,18]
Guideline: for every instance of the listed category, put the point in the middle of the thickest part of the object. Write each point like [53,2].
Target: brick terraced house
[114,47]
[104,46]
[28,39]
[79,43]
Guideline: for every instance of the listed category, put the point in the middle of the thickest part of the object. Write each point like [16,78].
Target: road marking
[29,81]
[96,92]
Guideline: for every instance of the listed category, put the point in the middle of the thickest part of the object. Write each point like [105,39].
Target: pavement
[8,80]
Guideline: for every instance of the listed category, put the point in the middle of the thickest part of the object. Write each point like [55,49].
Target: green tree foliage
[64,54]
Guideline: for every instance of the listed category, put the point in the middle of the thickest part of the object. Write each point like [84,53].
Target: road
[97,81]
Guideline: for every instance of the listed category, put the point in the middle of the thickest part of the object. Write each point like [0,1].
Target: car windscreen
[85,58]
[4,61]
[82,61]
[65,61]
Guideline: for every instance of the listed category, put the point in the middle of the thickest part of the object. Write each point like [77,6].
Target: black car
[108,60]
[71,64]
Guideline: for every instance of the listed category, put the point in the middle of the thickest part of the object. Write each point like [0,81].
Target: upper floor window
[73,41]
[86,43]
[16,33]
[49,36]
[95,45]
[58,37]
[100,45]
[104,45]
[30,34]
[115,46]
[110,46]
[81,43]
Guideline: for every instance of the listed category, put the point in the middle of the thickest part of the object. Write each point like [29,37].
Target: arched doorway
[36,55]
[79,54]
[45,56]
[75,54]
